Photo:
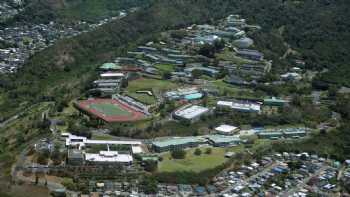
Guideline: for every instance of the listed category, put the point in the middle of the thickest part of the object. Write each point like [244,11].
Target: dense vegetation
[44,11]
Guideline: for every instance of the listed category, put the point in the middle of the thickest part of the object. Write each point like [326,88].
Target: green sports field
[109,109]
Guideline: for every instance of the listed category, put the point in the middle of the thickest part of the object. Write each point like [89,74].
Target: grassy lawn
[165,67]
[102,137]
[193,162]
[231,90]
[144,98]
[150,84]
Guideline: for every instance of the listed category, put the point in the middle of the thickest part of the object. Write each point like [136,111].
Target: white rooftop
[191,112]
[108,156]
[226,128]
[240,106]
[112,75]
[136,149]
[73,140]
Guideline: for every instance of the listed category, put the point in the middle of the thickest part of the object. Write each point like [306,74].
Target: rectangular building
[191,113]
[275,102]
[108,158]
[226,129]
[176,143]
[241,106]
[223,140]
[271,135]
[250,54]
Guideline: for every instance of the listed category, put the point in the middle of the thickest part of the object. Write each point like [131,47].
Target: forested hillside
[318,30]
[67,11]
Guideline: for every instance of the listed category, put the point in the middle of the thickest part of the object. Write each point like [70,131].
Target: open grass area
[143,98]
[228,55]
[193,162]
[231,90]
[109,109]
[165,67]
[150,84]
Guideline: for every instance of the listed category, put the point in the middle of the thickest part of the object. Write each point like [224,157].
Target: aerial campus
[182,111]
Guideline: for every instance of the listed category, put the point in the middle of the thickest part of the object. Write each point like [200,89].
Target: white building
[291,76]
[226,129]
[103,157]
[108,157]
[81,142]
[112,75]
[190,113]
[240,106]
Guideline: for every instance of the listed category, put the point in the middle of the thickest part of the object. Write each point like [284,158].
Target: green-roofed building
[110,67]
[223,140]
[294,133]
[275,102]
[177,143]
[270,135]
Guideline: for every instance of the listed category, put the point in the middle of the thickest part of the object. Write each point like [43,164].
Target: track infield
[110,110]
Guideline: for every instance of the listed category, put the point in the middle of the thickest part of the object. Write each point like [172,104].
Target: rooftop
[110,66]
[191,111]
[246,106]
[223,138]
[108,156]
[177,141]
[112,75]
[226,128]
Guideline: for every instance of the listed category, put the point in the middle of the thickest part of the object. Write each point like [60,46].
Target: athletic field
[110,110]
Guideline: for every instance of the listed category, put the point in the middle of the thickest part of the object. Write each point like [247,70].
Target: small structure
[251,54]
[191,113]
[112,75]
[188,94]
[275,102]
[75,157]
[243,43]
[291,76]
[226,129]
[110,67]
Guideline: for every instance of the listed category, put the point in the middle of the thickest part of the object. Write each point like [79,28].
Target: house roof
[226,128]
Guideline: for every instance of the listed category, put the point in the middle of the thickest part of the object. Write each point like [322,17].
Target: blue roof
[194,96]
[200,189]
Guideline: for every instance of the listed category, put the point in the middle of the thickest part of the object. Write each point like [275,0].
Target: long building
[176,143]
[242,106]
[180,143]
